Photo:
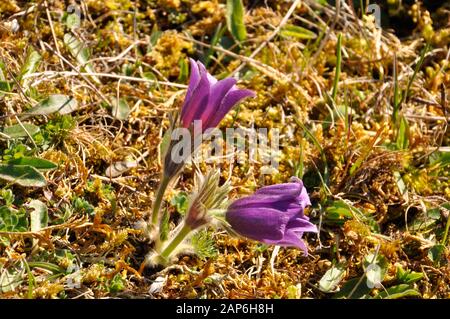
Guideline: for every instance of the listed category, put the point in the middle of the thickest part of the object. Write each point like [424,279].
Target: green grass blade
[235,19]
[338,67]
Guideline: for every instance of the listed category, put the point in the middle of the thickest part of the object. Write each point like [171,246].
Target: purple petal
[233,97]
[194,79]
[292,239]
[304,199]
[256,201]
[217,94]
[288,206]
[259,224]
[292,189]
[198,100]
[212,80]
[301,225]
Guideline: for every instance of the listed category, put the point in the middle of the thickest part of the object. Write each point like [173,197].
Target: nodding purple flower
[208,99]
[273,215]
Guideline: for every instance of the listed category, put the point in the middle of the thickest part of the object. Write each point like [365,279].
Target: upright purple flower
[273,215]
[208,99]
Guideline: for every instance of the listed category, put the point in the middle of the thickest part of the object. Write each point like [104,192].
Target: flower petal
[292,189]
[198,100]
[284,205]
[212,80]
[233,97]
[260,224]
[292,239]
[217,94]
[304,199]
[301,225]
[194,79]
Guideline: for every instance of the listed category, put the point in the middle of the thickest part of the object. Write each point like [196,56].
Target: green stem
[158,201]
[184,231]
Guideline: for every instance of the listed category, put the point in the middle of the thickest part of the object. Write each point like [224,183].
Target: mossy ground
[378,178]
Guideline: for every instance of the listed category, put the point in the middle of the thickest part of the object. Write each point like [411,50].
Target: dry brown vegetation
[371,145]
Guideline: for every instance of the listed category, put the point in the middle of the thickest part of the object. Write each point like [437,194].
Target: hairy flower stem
[181,235]
[158,201]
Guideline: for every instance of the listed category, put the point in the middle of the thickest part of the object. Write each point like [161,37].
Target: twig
[122,54]
[327,35]
[100,94]
[106,75]
[264,68]
[50,22]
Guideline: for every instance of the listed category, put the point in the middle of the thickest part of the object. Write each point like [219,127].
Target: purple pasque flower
[208,99]
[273,215]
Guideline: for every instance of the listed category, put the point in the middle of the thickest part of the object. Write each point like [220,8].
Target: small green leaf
[235,19]
[55,269]
[72,21]
[425,220]
[8,196]
[116,284]
[152,78]
[30,66]
[184,71]
[5,86]
[18,131]
[440,158]
[154,37]
[332,278]
[408,277]
[403,134]
[10,279]
[435,253]
[62,104]
[338,210]
[290,30]
[81,53]
[120,109]
[39,215]
[396,292]
[180,201]
[353,289]
[294,292]
[82,206]
[13,220]
[22,175]
[37,163]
